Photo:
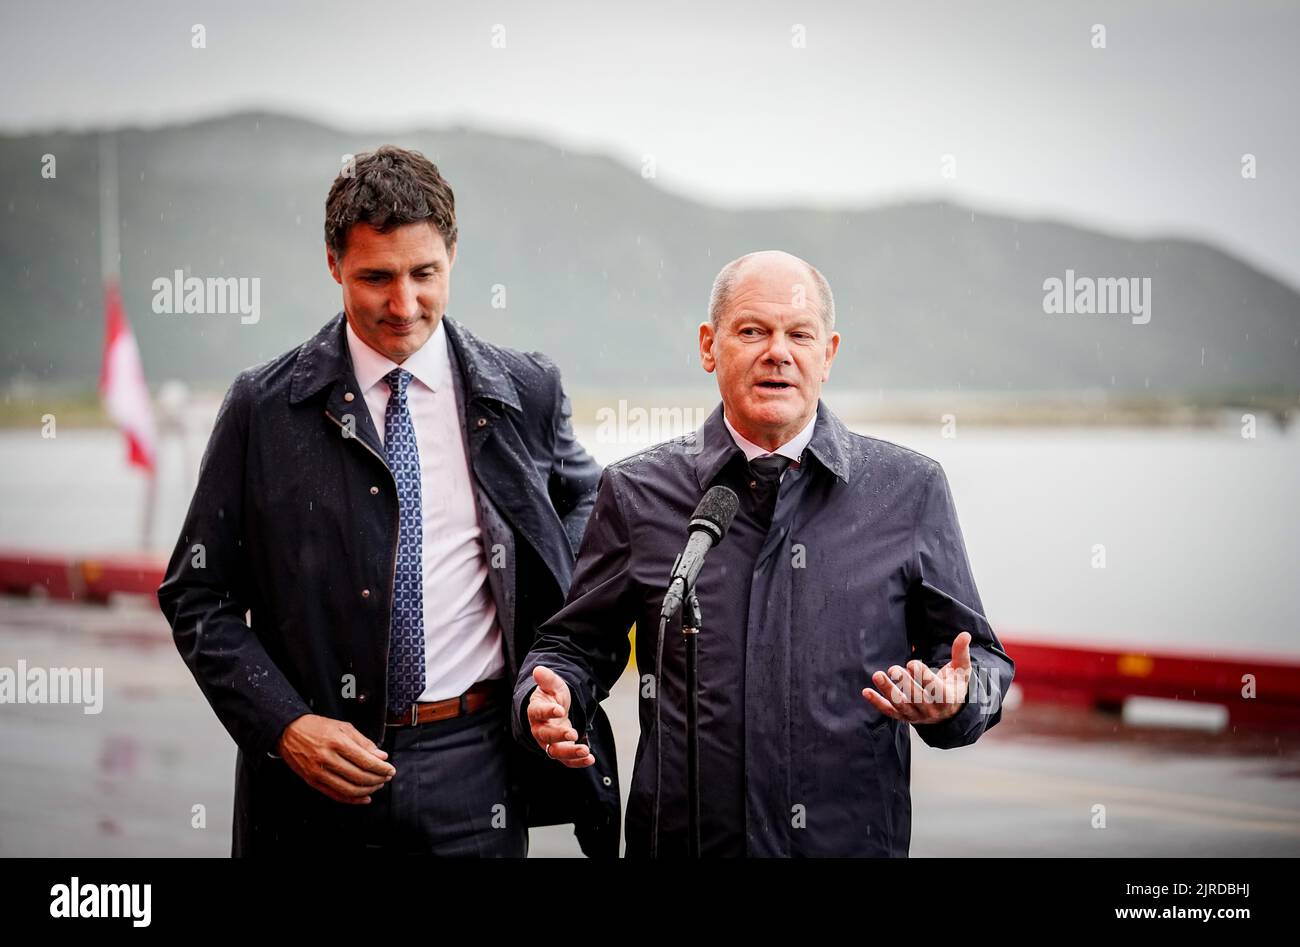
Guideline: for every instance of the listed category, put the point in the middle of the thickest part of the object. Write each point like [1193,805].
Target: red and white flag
[122,387]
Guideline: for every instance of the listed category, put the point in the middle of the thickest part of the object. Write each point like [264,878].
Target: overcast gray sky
[1144,137]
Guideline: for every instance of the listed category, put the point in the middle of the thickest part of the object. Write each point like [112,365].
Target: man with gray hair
[844,566]
[724,284]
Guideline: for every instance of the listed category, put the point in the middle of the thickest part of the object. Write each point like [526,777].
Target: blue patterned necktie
[406,644]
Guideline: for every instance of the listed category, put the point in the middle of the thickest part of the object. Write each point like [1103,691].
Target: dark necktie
[765,480]
[406,634]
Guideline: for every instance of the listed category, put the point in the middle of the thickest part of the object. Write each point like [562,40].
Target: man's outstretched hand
[335,758]
[548,718]
[917,694]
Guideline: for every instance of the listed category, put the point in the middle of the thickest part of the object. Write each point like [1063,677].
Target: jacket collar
[829,443]
[485,376]
[716,446]
[324,359]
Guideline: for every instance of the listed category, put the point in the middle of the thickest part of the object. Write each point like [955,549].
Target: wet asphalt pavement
[127,781]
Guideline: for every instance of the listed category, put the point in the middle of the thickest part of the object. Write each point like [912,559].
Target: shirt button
[606,780]
[753,484]
[365,593]
[482,422]
[363,697]
[374,490]
[349,396]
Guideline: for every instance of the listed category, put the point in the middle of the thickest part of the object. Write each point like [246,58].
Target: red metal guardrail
[1257,692]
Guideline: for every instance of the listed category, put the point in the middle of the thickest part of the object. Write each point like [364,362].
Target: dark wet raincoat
[860,566]
[295,523]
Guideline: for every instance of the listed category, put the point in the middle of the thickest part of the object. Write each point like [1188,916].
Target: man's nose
[778,351]
[401,300]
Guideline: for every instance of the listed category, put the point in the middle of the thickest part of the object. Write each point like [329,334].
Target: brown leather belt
[472,701]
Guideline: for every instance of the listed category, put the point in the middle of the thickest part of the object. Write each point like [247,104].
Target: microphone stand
[713,517]
[691,623]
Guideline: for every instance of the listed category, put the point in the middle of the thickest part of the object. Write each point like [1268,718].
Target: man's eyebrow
[379,271]
[753,318]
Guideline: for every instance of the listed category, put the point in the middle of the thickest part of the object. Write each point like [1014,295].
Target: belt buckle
[415,714]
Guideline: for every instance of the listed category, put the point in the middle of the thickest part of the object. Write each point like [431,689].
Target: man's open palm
[917,694]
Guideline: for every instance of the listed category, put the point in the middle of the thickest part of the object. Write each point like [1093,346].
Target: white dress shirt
[792,448]
[462,638]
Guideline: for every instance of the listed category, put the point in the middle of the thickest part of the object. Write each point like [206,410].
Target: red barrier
[1257,692]
[45,574]
[74,579]
[127,575]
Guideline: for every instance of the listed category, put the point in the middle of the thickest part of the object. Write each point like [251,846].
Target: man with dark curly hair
[384,515]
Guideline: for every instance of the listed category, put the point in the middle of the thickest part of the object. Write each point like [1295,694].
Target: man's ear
[706,347]
[831,348]
[333,265]
[451,256]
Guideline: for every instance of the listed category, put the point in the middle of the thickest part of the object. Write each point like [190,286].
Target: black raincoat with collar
[860,566]
[279,590]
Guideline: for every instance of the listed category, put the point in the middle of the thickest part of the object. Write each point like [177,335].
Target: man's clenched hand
[335,758]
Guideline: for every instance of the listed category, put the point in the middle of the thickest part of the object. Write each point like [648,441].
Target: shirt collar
[792,448]
[713,447]
[429,363]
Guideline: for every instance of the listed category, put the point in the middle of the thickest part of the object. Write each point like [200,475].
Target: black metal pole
[690,634]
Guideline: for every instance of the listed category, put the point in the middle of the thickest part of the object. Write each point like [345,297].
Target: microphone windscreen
[719,508]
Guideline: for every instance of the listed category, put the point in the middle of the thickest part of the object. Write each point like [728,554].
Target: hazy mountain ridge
[603,270]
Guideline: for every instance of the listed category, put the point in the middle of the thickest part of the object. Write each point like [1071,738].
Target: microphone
[709,523]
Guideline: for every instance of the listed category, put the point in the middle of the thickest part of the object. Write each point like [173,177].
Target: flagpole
[108,222]
[110,267]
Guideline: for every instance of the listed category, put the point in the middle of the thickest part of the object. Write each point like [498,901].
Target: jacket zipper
[392,580]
